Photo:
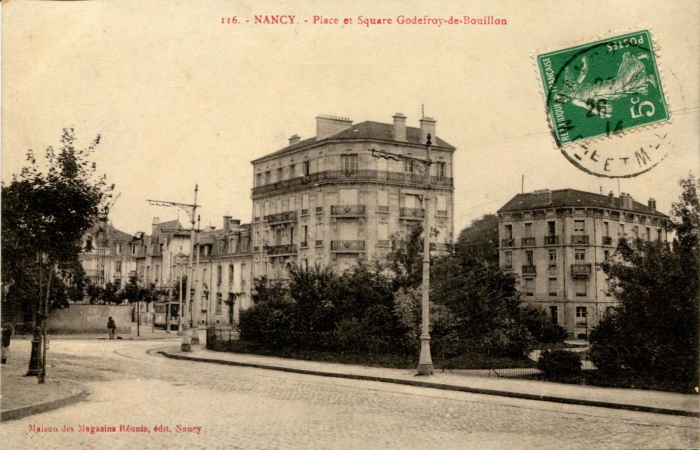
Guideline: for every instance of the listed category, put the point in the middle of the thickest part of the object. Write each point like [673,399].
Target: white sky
[180,99]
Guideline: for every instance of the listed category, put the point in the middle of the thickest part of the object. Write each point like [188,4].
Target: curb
[446,387]
[24,411]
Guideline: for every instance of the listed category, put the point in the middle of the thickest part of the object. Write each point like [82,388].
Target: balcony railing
[347,246]
[288,216]
[581,270]
[319,209]
[319,242]
[348,210]
[305,212]
[412,213]
[288,249]
[383,209]
[529,270]
[607,240]
[551,240]
[331,176]
[441,213]
[383,243]
[509,242]
[578,239]
[528,242]
[303,244]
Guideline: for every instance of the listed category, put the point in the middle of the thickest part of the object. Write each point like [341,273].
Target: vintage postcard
[214,222]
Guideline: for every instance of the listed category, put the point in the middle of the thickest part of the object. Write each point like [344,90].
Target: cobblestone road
[242,408]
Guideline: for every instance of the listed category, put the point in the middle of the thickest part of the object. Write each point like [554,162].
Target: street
[198,405]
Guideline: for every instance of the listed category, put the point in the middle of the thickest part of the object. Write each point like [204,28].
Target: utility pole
[425,362]
[191,211]
[194,316]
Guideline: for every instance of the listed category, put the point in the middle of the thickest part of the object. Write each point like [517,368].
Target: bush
[537,321]
[559,363]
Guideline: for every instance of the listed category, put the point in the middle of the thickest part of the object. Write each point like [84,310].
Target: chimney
[611,198]
[227,221]
[652,204]
[400,127]
[328,125]
[294,139]
[627,201]
[154,228]
[427,127]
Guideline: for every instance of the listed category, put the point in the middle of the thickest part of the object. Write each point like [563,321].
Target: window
[230,274]
[268,177]
[409,166]
[258,179]
[551,228]
[658,234]
[528,230]
[581,311]
[529,257]
[305,204]
[291,203]
[635,232]
[529,286]
[383,200]
[119,249]
[305,235]
[291,235]
[554,314]
[580,255]
[509,259]
[509,231]
[349,163]
[118,266]
[622,229]
[292,171]
[606,255]
[219,302]
[553,286]
[580,287]
[648,234]
[221,246]
[440,168]
[606,229]
[305,168]
[133,249]
[219,275]
[552,258]
[280,174]
[579,227]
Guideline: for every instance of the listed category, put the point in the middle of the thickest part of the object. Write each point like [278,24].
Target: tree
[46,210]
[479,241]
[654,330]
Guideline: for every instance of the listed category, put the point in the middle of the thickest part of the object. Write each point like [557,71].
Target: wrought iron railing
[383,209]
[530,270]
[348,210]
[607,240]
[331,176]
[578,239]
[581,270]
[510,242]
[383,243]
[288,249]
[528,242]
[412,213]
[551,240]
[288,216]
[356,246]
[441,213]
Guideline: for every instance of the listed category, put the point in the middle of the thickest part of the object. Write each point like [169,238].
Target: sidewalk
[22,396]
[630,399]
[144,334]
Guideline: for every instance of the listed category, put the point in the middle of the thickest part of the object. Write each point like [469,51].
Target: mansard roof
[367,130]
[571,198]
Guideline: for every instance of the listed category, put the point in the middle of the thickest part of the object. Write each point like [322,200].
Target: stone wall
[90,319]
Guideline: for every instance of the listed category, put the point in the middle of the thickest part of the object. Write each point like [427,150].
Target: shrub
[559,363]
[537,321]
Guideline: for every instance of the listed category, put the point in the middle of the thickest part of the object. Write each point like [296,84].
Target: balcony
[347,246]
[508,242]
[581,270]
[579,239]
[319,209]
[334,176]
[607,240]
[289,216]
[279,250]
[412,213]
[383,243]
[319,242]
[441,213]
[383,209]
[529,270]
[348,210]
[528,242]
[551,240]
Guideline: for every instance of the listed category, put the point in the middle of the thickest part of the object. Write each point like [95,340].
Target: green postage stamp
[603,88]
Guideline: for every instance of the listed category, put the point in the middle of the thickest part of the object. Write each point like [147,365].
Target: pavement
[628,399]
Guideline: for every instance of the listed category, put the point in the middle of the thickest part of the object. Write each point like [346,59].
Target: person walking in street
[7,332]
[112,327]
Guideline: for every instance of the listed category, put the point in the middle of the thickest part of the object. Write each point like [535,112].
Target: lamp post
[191,211]
[195,318]
[425,361]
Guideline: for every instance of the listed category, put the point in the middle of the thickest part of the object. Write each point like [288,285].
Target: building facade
[554,240]
[326,200]
[106,255]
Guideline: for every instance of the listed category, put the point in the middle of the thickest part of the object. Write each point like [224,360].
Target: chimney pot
[400,127]
[294,139]
[427,127]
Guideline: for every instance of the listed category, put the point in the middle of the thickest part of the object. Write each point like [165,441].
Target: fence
[222,335]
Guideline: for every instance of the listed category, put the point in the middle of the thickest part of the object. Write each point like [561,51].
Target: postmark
[598,92]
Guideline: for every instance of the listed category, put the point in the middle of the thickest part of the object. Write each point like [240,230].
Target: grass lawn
[621,380]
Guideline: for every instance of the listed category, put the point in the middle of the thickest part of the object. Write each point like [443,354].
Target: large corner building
[554,241]
[327,200]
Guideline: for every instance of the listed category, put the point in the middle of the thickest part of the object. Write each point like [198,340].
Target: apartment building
[106,255]
[554,240]
[327,200]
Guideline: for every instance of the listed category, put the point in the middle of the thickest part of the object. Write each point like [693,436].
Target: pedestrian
[7,332]
[112,327]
